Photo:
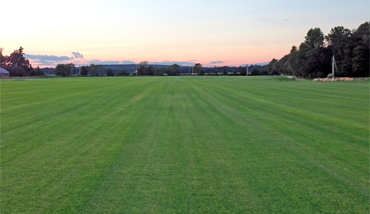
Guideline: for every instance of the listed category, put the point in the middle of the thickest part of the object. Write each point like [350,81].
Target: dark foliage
[110,72]
[198,68]
[16,63]
[64,70]
[313,58]
[84,70]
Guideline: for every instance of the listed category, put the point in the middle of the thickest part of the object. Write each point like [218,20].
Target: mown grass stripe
[184,144]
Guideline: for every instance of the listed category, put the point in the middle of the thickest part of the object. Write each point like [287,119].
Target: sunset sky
[211,32]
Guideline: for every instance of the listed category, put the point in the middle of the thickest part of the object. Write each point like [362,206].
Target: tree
[272,67]
[224,70]
[215,71]
[17,71]
[121,72]
[360,59]
[14,61]
[338,37]
[169,70]
[110,72]
[291,65]
[39,72]
[36,72]
[341,45]
[198,68]
[96,70]
[314,38]
[17,59]
[243,70]
[3,59]
[150,70]
[175,69]
[143,68]
[264,71]
[159,71]
[64,69]
[255,71]
[84,70]
[313,59]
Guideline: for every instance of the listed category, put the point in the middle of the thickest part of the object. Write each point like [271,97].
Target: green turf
[184,145]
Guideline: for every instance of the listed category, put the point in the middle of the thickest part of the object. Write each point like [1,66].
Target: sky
[210,32]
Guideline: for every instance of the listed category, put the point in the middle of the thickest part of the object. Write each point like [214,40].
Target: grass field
[184,145]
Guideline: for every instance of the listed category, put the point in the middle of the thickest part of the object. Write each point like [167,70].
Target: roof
[3,71]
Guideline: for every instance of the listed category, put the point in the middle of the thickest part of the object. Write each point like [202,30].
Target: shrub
[121,73]
[255,71]
[110,72]
[17,71]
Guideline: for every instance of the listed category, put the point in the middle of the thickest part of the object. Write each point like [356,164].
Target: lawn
[184,145]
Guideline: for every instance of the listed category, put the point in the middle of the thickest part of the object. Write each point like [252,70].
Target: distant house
[4,73]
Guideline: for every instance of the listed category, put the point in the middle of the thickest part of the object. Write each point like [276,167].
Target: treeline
[150,70]
[18,65]
[175,70]
[145,69]
[313,57]
[69,69]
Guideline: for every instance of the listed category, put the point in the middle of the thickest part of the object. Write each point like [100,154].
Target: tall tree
[17,59]
[225,70]
[176,69]
[3,59]
[96,70]
[122,72]
[314,38]
[198,68]
[341,45]
[36,72]
[173,70]
[64,70]
[255,71]
[215,71]
[361,52]
[150,70]
[110,72]
[159,71]
[313,59]
[243,70]
[291,66]
[84,70]
[142,70]
[272,67]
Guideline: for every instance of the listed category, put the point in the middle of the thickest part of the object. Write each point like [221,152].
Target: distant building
[4,73]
